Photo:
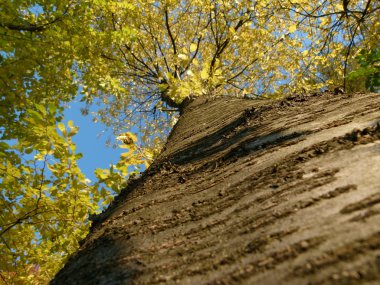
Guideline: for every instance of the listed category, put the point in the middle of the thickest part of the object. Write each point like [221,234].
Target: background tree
[139,60]
[45,198]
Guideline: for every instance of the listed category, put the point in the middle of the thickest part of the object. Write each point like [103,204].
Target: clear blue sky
[90,142]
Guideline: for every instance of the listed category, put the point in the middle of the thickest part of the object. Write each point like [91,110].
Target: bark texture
[249,192]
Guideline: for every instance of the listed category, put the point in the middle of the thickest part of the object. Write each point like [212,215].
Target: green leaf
[4,145]
[41,109]
[52,108]
[35,115]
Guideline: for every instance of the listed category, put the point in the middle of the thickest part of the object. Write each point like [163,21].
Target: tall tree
[248,192]
[140,61]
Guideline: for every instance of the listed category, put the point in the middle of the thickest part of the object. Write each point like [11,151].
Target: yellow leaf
[61,127]
[339,7]
[70,123]
[204,74]
[193,47]
[128,138]
[182,56]
[292,28]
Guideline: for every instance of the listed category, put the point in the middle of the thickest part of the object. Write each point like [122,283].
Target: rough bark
[249,192]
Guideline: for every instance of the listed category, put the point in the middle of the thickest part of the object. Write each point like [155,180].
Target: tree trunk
[249,192]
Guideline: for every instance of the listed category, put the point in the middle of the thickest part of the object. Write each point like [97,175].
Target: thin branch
[170,32]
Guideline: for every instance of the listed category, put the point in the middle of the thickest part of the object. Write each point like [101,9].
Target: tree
[231,47]
[247,192]
[141,61]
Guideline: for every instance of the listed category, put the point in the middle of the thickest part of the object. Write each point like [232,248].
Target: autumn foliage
[138,61]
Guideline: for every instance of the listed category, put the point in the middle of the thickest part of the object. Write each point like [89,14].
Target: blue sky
[90,141]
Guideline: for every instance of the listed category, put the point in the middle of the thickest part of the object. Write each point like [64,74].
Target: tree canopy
[138,61]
